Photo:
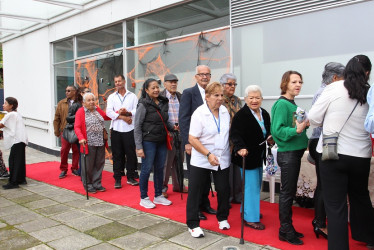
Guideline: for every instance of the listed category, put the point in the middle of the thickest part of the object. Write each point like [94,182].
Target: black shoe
[5,175]
[101,189]
[62,174]
[132,182]
[10,186]
[290,238]
[117,184]
[23,183]
[75,172]
[299,235]
[209,210]
[202,216]
[92,190]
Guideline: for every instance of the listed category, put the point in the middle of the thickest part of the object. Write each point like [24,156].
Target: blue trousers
[155,155]
[252,189]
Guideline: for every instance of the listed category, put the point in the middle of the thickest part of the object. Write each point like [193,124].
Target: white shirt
[14,130]
[332,110]
[205,129]
[202,93]
[115,102]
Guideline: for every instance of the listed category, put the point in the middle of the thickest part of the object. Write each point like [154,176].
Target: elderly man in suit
[191,99]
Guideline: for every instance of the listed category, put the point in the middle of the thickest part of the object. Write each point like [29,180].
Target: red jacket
[80,125]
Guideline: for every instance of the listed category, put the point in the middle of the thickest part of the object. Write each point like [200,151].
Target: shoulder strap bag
[169,137]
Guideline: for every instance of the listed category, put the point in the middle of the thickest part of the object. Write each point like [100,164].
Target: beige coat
[59,122]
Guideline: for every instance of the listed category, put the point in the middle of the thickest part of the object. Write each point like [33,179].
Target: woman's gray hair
[252,88]
[88,94]
[331,69]
[226,77]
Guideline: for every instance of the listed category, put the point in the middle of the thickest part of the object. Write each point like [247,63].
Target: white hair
[202,65]
[252,88]
[88,94]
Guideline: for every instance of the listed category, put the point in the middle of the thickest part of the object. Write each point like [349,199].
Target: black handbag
[69,134]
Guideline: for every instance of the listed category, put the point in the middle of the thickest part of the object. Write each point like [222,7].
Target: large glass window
[263,52]
[177,21]
[180,57]
[64,76]
[63,51]
[100,40]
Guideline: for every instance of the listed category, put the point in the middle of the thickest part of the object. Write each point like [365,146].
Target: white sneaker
[147,203]
[224,225]
[162,200]
[196,232]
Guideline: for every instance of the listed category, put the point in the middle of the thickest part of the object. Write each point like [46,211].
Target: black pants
[204,199]
[347,176]
[123,145]
[289,162]
[196,186]
[17,163]
[319,205]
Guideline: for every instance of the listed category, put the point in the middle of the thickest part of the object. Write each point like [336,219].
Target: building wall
[28,71]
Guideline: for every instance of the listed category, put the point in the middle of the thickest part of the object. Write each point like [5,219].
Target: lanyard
[219,120]
[121,99]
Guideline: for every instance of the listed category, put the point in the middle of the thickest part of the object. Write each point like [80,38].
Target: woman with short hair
[89,128]
[290,136]
[249,129]
[209,137]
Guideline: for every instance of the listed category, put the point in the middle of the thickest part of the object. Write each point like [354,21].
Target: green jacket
[283,127]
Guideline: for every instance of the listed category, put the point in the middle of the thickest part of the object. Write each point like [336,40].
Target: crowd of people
[223,141]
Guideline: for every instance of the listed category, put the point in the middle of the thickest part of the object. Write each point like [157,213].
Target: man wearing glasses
[191,99]
[59,124]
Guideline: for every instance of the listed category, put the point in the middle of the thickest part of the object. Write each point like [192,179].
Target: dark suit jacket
[190,101]
[246,133]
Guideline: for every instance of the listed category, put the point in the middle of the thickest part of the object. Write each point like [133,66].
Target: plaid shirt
[173,107]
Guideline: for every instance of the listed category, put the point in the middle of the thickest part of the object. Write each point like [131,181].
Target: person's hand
[270,140]
[188,148]
[243,152]
[300,126]
[122,111]
[213,160]
[128,119]
[176,128]
[140,153]
[83,142]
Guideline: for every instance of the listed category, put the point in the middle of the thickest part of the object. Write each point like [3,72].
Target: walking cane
[242,205]
[85,169]
[211,180]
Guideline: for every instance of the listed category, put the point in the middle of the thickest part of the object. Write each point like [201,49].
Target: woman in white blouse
[15,138]
[349,174]
[209,137]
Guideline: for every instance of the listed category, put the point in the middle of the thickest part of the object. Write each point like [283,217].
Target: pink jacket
[80,125]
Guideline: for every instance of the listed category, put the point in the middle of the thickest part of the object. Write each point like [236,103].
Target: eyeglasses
[87,91]
[204,74]
[69,90]
[231,84]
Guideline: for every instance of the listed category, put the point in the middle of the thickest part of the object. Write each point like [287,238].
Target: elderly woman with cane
[89,128]
[250,128]
[209,137]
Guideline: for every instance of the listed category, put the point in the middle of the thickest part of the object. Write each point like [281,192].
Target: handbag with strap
[169,137]
[330,143]
[69,134]
[105,133]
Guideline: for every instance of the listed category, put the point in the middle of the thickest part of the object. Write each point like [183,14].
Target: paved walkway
[42,216]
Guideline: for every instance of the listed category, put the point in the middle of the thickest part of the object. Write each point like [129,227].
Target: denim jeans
[289,163]
[155,155]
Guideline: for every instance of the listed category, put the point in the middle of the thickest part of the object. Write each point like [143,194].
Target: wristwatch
[207,156]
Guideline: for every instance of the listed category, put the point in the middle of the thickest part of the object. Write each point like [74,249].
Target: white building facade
[256,40]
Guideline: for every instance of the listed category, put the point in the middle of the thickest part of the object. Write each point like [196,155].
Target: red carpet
[130,195]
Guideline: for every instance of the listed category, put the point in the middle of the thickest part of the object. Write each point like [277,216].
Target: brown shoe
[165,194]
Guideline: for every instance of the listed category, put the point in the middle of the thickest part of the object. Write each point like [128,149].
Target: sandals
[255,225]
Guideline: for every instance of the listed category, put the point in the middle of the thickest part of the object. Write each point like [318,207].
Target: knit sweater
[283,127]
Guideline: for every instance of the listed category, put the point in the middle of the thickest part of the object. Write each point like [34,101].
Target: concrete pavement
[42,216]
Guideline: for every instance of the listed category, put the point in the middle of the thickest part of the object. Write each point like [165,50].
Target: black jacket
[246,133]
[153,128]
[70,118]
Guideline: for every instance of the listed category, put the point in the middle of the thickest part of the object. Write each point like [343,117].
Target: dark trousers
[235,184]
[204,199]
[95,160]
[17,163]
[196,186]
[319,205]
[289,162]
[171,166]
[123,145]
[347,176]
